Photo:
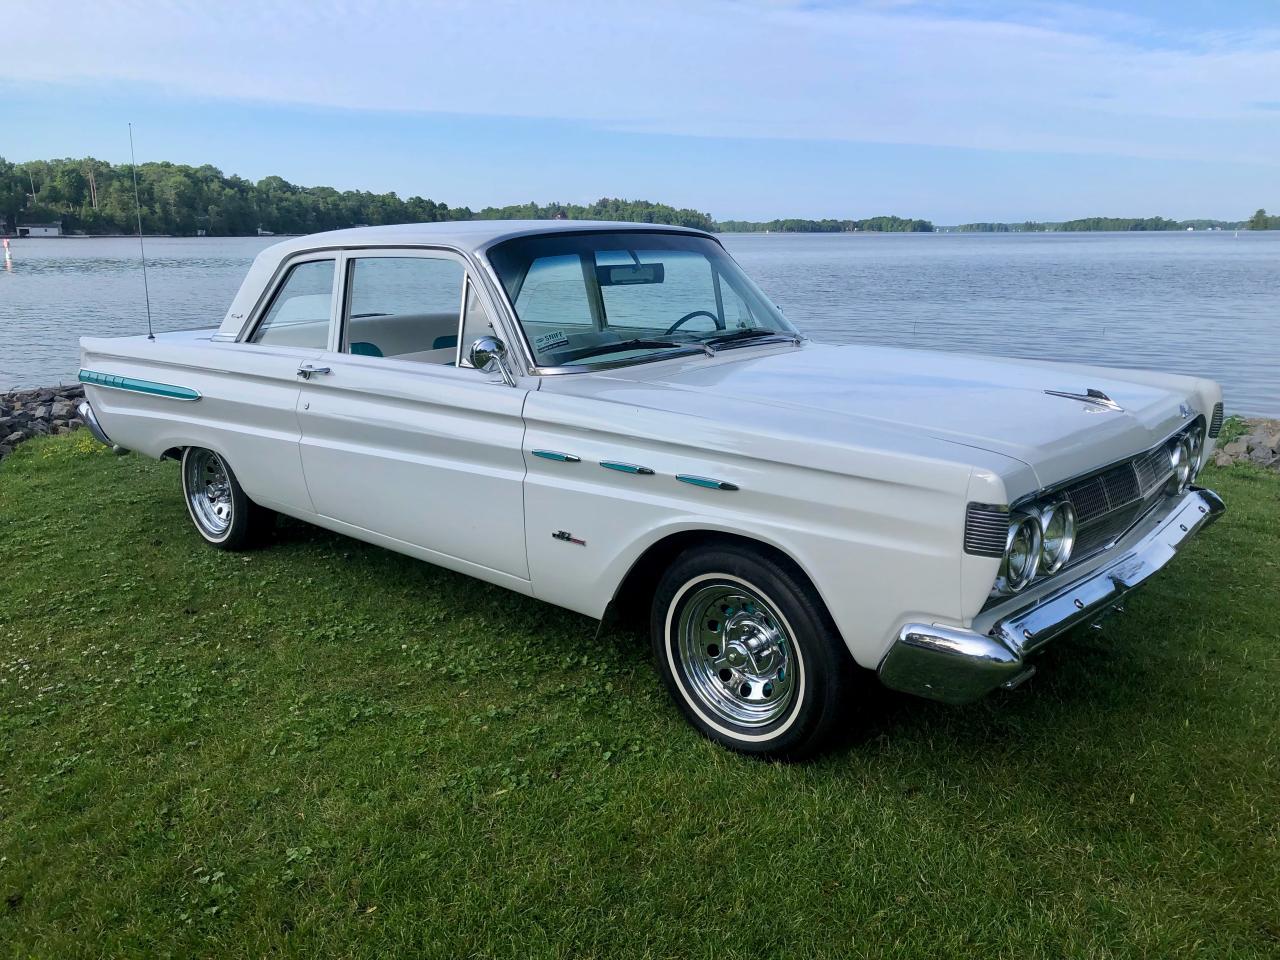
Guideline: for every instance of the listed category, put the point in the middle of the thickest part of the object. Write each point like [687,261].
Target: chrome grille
[1215,424]
[986,528]
[1152,469]
[1110,502]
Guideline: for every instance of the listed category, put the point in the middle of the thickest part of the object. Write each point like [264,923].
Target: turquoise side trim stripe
[706,482]
[138,386]
[626,468]
[557,455]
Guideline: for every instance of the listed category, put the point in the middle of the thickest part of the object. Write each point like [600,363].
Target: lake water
[1204,303]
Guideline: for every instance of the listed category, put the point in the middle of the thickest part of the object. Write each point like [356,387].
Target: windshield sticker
[554,339]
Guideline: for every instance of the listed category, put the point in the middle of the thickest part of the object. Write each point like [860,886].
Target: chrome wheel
[208,492]
[736,654]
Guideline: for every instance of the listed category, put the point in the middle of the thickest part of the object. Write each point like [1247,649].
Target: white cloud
[1063,80]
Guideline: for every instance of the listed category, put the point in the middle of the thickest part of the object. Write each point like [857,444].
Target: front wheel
[221,512]
[749,653]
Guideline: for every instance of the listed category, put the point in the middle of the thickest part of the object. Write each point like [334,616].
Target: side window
[403,307]
[475,324]
[554,294]
[299,314]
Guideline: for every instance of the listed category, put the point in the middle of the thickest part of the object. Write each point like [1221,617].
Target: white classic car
[607,415]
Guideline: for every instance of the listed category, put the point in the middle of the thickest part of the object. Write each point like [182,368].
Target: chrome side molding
[627,468]
[114,382]
[708,482]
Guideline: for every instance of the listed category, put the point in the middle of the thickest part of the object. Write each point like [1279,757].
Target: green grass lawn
[326,749]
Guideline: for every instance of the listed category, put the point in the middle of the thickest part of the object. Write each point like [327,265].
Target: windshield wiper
[639,343]
[750,333]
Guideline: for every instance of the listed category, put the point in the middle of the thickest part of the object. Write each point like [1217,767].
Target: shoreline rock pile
[36,413]
[1259,444]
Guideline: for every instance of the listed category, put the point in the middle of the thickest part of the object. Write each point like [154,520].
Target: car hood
[991,403]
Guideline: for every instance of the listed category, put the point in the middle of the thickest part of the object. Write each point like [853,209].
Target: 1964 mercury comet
[596,414]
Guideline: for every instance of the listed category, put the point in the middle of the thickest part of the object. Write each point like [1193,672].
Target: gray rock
[15,438]
[41,412]
[62,410]
[1236,448]
[1223,459]
[1263,455]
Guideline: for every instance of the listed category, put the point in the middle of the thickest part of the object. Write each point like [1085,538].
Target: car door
[255,400]
[402,440]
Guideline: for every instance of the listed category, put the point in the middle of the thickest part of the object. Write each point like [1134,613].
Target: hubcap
[737,655]
[209,492]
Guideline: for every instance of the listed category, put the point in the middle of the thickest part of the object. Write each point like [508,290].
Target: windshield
[592,298]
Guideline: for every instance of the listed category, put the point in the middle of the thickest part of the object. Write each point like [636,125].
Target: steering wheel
[696,313]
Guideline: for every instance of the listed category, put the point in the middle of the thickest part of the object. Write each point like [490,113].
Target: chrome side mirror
[488,354]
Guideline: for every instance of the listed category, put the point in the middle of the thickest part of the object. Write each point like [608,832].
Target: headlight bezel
[1020,524]
[1180,460]
[1052,562]
[1195,439]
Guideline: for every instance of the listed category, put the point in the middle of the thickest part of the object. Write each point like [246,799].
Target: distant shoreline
[936,231]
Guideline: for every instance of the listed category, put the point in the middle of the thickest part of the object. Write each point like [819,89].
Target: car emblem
[1096,397]
[1186,411]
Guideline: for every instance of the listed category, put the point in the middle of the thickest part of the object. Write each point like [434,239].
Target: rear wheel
[749,653]
[221,512]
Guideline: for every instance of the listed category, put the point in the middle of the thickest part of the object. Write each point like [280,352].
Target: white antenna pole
[137,202]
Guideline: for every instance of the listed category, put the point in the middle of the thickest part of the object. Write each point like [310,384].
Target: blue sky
[954,111]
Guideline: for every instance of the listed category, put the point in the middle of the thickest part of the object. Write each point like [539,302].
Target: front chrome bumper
[958,666]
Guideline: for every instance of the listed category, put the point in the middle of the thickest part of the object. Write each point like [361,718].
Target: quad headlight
[1039,536]
[1195,442]
[1180,458]
[1057,535]
[1022,551]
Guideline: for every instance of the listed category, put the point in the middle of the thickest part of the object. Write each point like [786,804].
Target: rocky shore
[50,410]
[1259,443]
[36,413]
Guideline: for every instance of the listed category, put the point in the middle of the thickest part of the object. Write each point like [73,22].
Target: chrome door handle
[306,370]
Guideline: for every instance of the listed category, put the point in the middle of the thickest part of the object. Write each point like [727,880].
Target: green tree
[1259,221]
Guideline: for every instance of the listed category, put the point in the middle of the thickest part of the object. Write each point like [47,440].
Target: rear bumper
[958,666]
[85,413]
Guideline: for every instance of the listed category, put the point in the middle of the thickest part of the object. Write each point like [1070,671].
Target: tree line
[1259,221]
[95,197]
[872,224]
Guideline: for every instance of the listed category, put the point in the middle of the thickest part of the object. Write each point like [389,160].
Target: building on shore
[40,229]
